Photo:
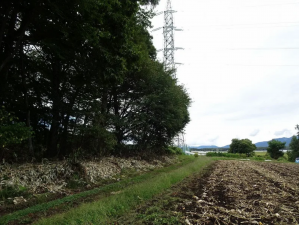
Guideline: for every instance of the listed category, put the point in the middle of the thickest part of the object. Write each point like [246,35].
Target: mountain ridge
[257,144]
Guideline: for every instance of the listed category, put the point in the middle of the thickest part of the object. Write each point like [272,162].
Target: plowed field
[240,192]
[232,192]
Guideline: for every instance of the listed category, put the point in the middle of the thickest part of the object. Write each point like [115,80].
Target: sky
[240,67]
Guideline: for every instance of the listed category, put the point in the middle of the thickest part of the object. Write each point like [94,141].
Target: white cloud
[254,133]
[284,132]
[235,89]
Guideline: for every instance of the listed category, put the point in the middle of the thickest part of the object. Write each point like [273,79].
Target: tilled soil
[231,192]
[239,192]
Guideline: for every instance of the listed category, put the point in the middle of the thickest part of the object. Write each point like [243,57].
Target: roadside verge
[102,211]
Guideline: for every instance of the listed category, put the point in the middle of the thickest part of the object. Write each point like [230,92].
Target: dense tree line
[83,75]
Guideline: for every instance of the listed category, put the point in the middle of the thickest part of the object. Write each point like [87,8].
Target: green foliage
[156,216]
[12,131]
[196,155]
[174,150]
[294,149]
[243,146]
[13,191]
[75,182]
[85,75]
[227,155]
[274,148]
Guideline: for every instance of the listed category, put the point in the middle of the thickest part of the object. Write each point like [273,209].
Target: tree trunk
[118,131]
[52,148]
[25,92]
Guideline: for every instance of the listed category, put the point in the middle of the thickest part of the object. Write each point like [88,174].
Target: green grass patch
[101,212]
[227,155]
[258,156]
[260,153]
[105,190]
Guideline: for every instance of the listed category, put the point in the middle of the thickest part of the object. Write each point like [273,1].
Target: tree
[275,148]
[294,149]
[244,146]
[84,74]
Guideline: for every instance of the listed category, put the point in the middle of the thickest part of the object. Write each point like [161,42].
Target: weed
[13,191]
[116,205]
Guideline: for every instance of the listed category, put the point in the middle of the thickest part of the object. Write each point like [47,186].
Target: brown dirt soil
[239,192]
[232,192]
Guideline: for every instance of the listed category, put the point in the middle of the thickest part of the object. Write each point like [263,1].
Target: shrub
[12,131]
[196,155]
[174,150]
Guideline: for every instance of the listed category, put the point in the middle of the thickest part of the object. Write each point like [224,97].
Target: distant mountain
[226,146]
[265,143]
[258,144]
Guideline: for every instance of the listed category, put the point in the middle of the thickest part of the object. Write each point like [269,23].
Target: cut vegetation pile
[54,176]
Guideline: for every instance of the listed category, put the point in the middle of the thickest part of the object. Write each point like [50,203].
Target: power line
[230,27]
[251,24]
[261,65]
[283,48]
[249,65]
[253,6]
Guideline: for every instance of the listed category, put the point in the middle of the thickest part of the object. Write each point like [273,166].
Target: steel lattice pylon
[168,55]
[168,28]
[168,59]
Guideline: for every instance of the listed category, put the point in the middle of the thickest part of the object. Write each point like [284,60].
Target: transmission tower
[168,33]
[168,54]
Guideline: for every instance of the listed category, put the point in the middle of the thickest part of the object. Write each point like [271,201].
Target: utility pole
[168,55]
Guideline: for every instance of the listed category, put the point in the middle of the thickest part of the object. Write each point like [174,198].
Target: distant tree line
[83,75]
[294,146]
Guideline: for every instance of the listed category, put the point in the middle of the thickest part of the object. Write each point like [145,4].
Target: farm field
[231,192]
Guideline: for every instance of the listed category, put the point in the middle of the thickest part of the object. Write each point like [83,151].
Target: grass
[64,203]
[260,153]
[103,211]
[258,156]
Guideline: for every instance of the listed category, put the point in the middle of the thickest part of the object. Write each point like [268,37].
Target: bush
[172,150]
[13,191]
[196,155]
[12,131]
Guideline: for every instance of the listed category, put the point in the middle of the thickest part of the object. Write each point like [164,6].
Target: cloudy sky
[241,67]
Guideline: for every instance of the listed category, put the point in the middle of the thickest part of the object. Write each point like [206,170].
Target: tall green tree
[294,149]
[244,146]
[83,74]
[275,148]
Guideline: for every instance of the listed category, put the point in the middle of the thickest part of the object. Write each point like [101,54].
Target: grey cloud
[213,140]
[254,133]
[284,132]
